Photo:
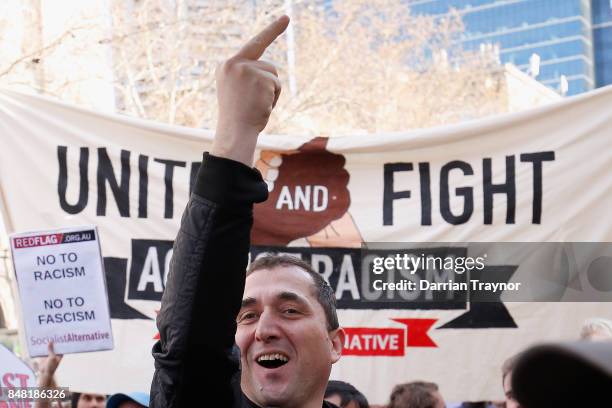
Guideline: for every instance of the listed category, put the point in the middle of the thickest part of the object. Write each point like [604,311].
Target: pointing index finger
[256,46]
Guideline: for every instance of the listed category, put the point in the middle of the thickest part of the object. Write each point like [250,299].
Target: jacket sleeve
[193,358]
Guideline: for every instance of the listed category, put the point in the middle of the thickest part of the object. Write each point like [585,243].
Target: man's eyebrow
[248,301]
[292,297]
[283,296]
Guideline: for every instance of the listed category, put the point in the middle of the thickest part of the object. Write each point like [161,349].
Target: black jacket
[194,364]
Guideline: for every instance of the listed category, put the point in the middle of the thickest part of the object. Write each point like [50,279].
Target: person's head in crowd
[288,333]
[575,374]
[507,369]
[345,395]
[417,394]
[87,400]
[596,329]
[130,400]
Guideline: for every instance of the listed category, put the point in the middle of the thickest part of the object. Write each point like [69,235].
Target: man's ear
[337,340]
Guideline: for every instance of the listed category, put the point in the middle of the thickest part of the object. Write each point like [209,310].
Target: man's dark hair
[323,292]
[417,394]
[347,393]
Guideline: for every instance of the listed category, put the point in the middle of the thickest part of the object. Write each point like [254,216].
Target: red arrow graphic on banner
[417,332]
[385,341]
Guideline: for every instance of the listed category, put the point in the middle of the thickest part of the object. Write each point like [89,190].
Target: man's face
[510,401]
[286,350]
[91,401]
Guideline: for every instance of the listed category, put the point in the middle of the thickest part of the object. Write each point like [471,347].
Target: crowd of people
[415,394]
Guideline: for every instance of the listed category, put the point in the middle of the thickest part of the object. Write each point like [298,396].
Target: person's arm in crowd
[193,358]
[45,376]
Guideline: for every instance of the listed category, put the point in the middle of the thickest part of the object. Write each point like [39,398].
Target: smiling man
[288,333]
[280,313]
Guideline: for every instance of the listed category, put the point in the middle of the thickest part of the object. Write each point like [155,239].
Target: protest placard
[62,290]
[14,375]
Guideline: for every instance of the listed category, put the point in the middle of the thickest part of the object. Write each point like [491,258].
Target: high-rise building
[602,41]
[572,39]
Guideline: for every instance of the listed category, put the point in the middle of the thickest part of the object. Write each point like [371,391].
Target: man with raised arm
[281,314]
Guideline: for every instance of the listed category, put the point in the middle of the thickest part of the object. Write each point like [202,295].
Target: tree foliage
[358,66]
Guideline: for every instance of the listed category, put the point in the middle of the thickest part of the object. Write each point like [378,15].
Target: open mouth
[273,360]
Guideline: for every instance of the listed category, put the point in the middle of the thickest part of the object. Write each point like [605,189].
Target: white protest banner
[535,176]
[14,375]
[62,290]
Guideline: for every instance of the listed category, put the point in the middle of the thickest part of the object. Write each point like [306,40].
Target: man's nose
[267,327]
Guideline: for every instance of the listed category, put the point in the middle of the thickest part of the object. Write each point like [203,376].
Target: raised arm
[206,279]
[46,376]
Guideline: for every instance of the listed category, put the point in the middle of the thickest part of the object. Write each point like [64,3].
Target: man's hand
[48,368]
[247,90]
[45,376]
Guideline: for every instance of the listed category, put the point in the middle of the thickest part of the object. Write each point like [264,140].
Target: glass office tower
[602,41]
[573,38]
